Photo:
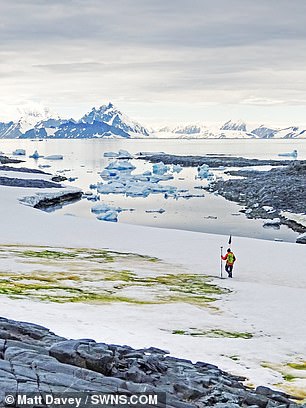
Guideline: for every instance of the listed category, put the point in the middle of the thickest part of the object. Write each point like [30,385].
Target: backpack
[230,257]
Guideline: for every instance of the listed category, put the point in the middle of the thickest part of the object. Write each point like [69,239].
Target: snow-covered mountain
[237,126]
[29,119]
[105,121]
[292,132]
[230,130]
[110,115]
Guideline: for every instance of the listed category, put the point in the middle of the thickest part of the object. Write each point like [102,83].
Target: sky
[160,62]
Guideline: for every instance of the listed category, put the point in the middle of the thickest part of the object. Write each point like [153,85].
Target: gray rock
[32,359]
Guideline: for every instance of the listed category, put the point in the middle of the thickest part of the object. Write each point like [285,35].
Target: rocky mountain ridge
[107,121]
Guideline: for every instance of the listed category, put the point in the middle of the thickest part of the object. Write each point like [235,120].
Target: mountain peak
[32,114]
[237,125]
[112,116]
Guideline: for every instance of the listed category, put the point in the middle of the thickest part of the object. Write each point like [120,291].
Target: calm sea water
[84,159]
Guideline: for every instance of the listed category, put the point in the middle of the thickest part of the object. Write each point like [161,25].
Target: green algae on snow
[214,333]
[294,376]
[94,275]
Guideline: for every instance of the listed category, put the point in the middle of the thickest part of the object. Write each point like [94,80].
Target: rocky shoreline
[265,194]
[212,161]
[7,160]
[35,360]
[41,201]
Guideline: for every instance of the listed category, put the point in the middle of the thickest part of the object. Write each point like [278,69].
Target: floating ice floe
[44,166]
[294,154]
[93,197]
[108,216]
[112,187]
[35,155]
[204,172]
[90,196]
[160,211]
[138,190]
[103,208]
[110,154]
[177,168]
[122,154]
[19,152]
[54,157]
[118,179]
[160,168]
[120,165]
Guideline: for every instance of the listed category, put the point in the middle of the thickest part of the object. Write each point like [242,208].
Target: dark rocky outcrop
[7,160]
[57,201]
[58,179]
[28,183]
[283,189]
[33,359]
[22,170]
[210,160]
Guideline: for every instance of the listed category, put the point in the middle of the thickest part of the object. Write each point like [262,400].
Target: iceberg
[110,154]
[107,174]
[103,208]
[93,197]
[138,190]
[19,152]
[120,165]
[124,154]
[203,172]
[115,188]
[35,155]
[108,216]
[160,168]
[177,168]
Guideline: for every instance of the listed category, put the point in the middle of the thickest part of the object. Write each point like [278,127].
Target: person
[230,259]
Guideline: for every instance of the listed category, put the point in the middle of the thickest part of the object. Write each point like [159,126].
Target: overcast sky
[159,61]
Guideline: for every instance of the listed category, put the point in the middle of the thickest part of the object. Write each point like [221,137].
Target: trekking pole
[221,262]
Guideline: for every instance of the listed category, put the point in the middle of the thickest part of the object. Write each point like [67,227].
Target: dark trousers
[229,270]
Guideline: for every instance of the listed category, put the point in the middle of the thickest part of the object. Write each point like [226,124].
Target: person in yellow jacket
[230,259]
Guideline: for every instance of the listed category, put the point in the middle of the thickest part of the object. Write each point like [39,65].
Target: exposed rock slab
[27,183]
[33,359]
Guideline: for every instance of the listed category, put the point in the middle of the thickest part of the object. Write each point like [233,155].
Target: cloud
[75,51]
